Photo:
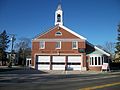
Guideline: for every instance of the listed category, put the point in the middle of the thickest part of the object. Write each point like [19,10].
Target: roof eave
[74,33]
[102,51]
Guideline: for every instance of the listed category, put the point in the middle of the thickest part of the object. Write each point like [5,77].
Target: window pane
[42,45]
[95,60]
[58,33]
[92,61]
[102,60]
[74,44]
[98,60]
[58,45]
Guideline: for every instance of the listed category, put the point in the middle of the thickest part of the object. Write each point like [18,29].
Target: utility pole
[12,44]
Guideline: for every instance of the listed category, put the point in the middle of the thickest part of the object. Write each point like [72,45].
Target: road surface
[20,81]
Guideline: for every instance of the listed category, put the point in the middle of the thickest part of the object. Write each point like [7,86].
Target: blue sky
[96,20]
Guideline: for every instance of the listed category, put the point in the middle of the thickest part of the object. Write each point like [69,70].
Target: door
[58,63]
[74,63]
[43,63]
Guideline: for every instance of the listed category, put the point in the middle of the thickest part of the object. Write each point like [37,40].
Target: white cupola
[59,16]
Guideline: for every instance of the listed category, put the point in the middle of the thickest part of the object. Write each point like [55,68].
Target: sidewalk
[27,70]
[60,72]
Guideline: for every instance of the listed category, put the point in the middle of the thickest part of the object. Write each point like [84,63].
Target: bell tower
[59,15]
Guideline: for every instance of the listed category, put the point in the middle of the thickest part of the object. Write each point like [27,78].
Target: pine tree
[4,40]
[117,52]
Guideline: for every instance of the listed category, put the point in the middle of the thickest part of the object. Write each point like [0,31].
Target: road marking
[101,86]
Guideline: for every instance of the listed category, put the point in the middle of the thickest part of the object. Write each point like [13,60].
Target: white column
[97,60]
[100,60]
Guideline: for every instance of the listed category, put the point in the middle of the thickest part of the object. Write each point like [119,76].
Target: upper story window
[42,44]
[58,33]
[58,45]
[74,45]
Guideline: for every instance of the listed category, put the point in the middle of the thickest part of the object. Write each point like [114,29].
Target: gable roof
[102,51]
[74,33]
[44,32]
[65,28]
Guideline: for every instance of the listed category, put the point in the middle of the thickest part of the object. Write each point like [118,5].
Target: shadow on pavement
[20,70]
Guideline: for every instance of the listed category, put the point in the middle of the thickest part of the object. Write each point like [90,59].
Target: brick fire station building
[60,48]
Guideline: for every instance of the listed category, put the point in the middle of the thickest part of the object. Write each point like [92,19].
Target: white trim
[58,39]
[65,28]
[44,33]
[90,63]
[74,33]
[95,65]
[71,54]
[102,51]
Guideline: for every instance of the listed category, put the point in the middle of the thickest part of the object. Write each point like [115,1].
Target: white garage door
[58,63]
[43,63]
[74,62]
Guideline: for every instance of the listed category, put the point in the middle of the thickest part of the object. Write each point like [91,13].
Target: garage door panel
[74,59]
[43,58]
[58,58]
[58,63]
[74,62]
[74,67]
[43,67]
[43,63]
[58,67]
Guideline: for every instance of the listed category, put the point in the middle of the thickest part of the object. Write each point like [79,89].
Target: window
[42,45]
[95,60]
[58,45]
[98,60]
[102,60]
[92,61]
[75,45]
[58,33]
[58,18]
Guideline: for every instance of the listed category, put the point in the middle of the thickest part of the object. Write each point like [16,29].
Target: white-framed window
[96,61]
[74,45]
[99,61]
[42,44]
[58,33]
[58,45]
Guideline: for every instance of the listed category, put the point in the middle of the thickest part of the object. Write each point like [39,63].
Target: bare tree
[110,47]
[23,43]
[23,47]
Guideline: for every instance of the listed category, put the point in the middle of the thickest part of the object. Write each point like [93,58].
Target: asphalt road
[30,81]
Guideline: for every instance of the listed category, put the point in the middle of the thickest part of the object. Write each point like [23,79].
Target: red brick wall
[66,47]
[84,60]
[51,34]
[95,68]
[50,48]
